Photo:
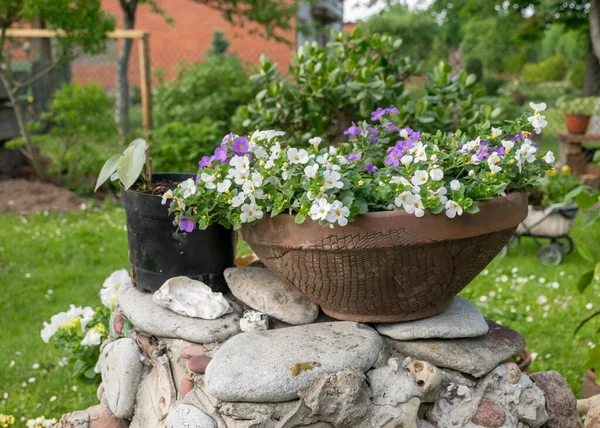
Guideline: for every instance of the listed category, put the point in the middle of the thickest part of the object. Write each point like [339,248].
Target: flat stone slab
[461,319]
[476,356]
[273,366]
[263,291]
[154,320]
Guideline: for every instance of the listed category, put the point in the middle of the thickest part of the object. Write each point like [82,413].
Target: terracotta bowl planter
[589,388]
[386,266]
[576,123]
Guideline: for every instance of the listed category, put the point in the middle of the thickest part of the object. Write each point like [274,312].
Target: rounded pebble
[198,364]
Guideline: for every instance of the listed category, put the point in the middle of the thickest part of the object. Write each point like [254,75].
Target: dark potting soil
[157,187]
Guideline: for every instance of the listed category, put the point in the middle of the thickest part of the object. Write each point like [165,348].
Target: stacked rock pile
[275,362]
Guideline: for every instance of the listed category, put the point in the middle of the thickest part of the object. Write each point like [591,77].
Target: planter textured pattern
[386,266]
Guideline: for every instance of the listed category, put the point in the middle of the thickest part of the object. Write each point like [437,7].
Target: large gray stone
[121,369]
[187,416]
[561,403]
[475,356]
[461,319]
[263,291]
[273,366]
[155,320]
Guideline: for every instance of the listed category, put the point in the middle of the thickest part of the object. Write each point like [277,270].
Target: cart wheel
[514,242]
[550,254]
[566,244]
[504,251]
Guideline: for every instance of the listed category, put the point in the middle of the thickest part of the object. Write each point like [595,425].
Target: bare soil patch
[29,197]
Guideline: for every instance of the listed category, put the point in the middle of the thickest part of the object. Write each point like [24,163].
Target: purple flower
[500,150]
[353,130]
[409,135]
[227,138]
[390,127]
[404,145]
[371,169]
[221,153]
[187,224]
[354,156]
[205,161]
[171,203]
[518,137]
[393,158]
[240,146]
[197,180]
[380,112]
[483,152]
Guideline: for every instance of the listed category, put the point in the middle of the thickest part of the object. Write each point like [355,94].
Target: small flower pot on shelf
[159,251]
[577,112]
[577,123]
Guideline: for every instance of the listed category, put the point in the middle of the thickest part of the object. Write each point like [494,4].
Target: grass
[72,254]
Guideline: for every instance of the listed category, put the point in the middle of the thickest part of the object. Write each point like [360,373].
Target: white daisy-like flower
[333,180]
[166,196]
[188,187]
[419,178]
[455,185]
[338,213]
[436,174]
[297,156]
[250,212]
[209,183]
[110,286]
[224,186]
[311,171]
[453,209]
[320,209]
[416,207]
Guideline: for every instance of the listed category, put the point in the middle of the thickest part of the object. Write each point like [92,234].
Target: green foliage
[484,39]
[572,43]
[491,85]
[126,167]
[177,146]
[577,75]
[136,95]
[329,87]
[219,44]
[585,106]
[552,69]
[516,60]
[475,66]
[556,185]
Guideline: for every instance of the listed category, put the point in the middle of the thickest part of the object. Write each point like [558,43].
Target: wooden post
[145,83]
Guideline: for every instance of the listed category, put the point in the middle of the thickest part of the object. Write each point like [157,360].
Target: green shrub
[585,106]
[577,75]
[475,66]
[552,69]
[515,62]
[210,90]
[178,146]
[491,84]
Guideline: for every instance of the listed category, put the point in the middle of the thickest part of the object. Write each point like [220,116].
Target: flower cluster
[382,167]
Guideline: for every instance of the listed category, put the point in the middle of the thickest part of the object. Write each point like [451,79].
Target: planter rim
[499,213]
[172,175]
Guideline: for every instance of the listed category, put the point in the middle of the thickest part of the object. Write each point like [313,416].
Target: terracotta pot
[576,123]
[386,266]
[589,388]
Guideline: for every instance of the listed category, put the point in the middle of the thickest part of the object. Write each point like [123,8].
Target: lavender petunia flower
[354,156]
[187,224]
[371,169]
[197,180]
[393,158]
[353,130]
[378,114]
[240,146]
[205,161]
[227,138]
[390,127]
[221,153]
[500,150]
[483,152]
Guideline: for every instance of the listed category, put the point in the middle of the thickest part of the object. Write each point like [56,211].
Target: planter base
[436,309]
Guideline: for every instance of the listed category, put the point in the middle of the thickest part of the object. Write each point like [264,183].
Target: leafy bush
[554,187]
[210,90]
[491,85]
[330,87]
[177,146]
[577,75]
[515,62]
[552,69]
[585,106]
[475,66]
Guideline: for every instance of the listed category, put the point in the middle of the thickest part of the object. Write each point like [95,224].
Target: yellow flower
[566,170]
[551,172]
[30,99]
[6,420]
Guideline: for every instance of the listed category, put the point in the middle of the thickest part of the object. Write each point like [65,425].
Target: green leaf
[585,200]
[586,320]
[108,169]
[591,217]
[586,252]
[594,361]
[574,193]
[131,163]
[470,80]
[473,209]
[585,280]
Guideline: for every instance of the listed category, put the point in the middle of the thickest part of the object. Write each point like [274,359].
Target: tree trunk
[591,81]
[122,83]
[595,27]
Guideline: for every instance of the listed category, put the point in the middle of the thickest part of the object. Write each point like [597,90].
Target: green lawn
[49,262]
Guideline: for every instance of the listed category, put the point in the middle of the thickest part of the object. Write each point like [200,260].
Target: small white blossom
[188,187]
[436,174]
[471,173]
[319,209]
[166,196]
[332,180]
[209,183]
[93,336]
[311,171]
[406,160]
[455,185]
[496,132]
[440,194]
[240,163]
[110,286]
[315,141]
[238,200]
[419,178]
[453,209]
[416,207]
[508,145]
[537,107]
[549,158]
[404,199]
[493,161]
[250,212]
[297,156]
[224,186]
[339,213]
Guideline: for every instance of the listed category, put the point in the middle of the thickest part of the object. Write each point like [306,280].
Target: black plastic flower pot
[159,251]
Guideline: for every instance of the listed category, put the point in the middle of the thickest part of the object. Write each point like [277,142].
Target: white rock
[192,298]
[121,369]
[187,416]
[254,321]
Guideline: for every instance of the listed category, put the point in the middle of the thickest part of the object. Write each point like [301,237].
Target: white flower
[70,318]
[538,121]
[311,171]
[276,150]
[332,180]
[240,176]
[250,212]
[319,209]
[297,156]
[238,200]
[420,154]
[167,195]
[332,150]
[538,107]
[508,145]
[110,286]
[248,187]
[415,207]
[419,178]
[471,145]
[453,209]
[259,151]
[208,180]
[240,163]
[496,132]
[315,141]
[455,185]
[404,199]
[406,160]
[440,194]
[436,174]
[93,336]
[266,135]
[188,187]
[338,213]
[471,173]
[549,158]
[493,162]
[526,154]
[224,186]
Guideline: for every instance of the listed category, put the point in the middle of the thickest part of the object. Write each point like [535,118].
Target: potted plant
[577,112]
[158,248]
[387,227]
